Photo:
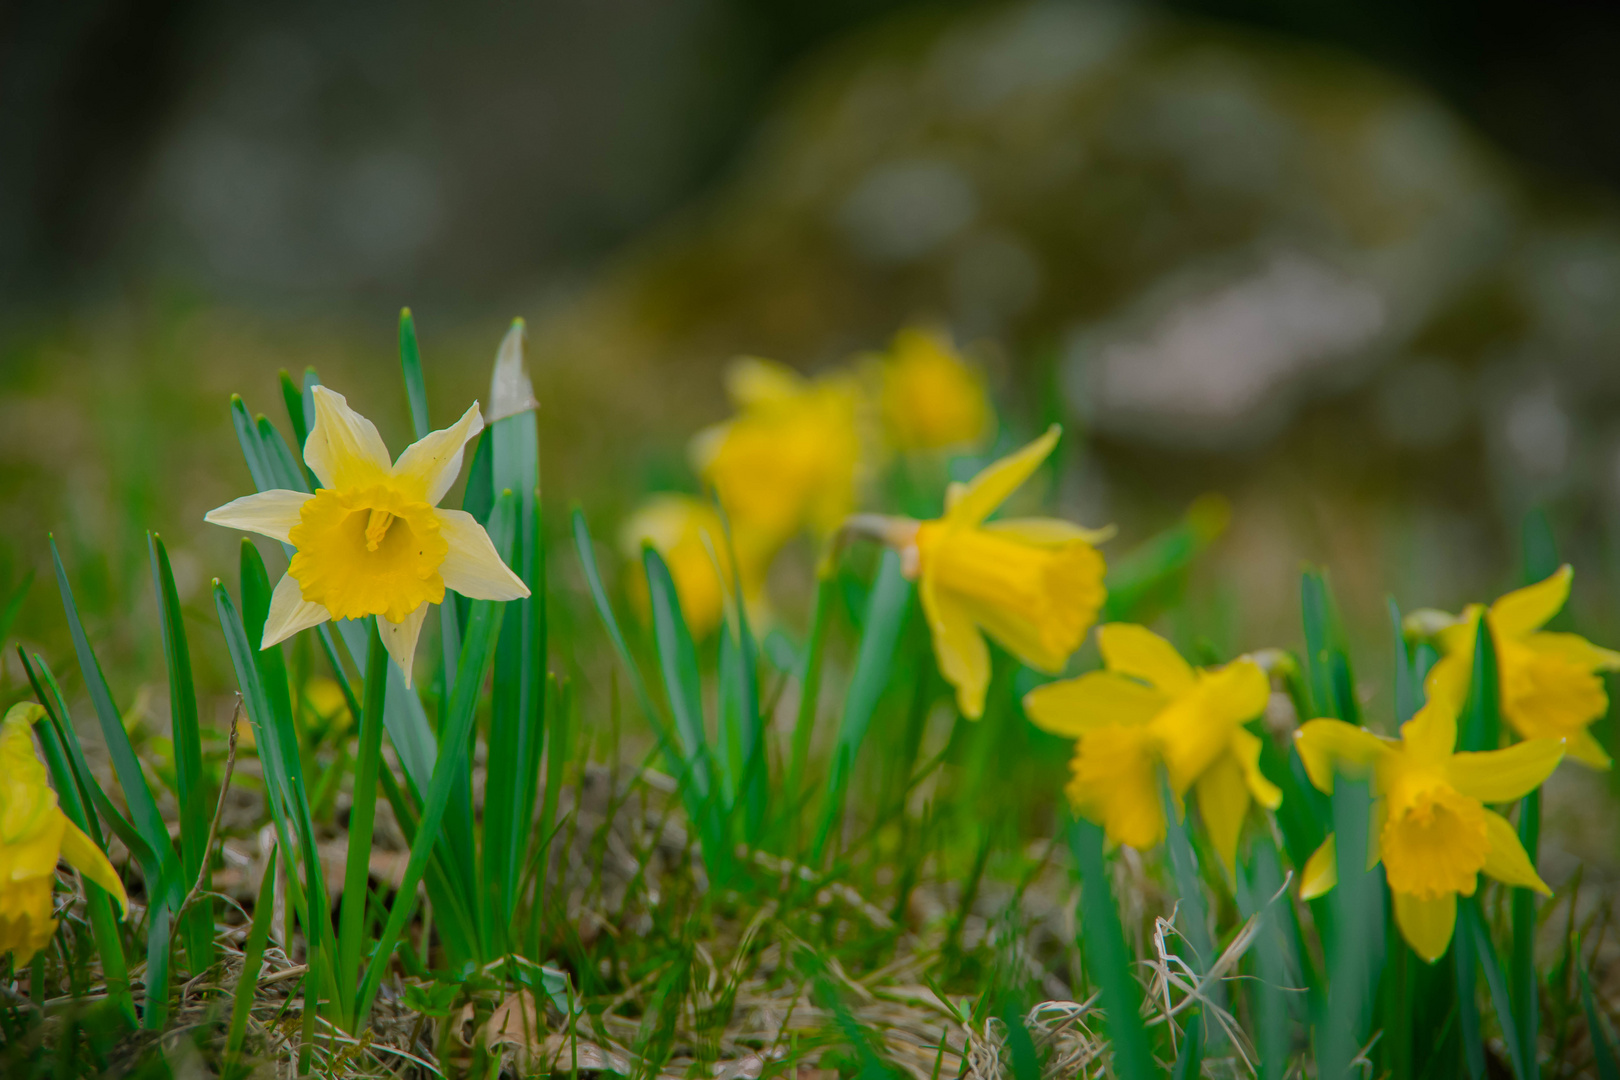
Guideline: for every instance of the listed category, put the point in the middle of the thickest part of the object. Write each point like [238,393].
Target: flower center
[1436,845]
[368,551]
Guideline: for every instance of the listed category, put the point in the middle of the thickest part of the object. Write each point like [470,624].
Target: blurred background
[1354,266]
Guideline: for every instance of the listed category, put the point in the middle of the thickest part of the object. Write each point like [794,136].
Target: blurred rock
[1243,256]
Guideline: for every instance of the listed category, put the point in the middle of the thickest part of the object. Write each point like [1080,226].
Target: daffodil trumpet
[1430,825]
[1032,585]
[372,539]
[34,835]
[1149,711]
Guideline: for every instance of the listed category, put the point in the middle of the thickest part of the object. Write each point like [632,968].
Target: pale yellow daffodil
[372,539]
[1150,709]
[930,398]
[1033,585]
[789,458]
[1430,825]
[34,835]
[689,535]
[1550,686]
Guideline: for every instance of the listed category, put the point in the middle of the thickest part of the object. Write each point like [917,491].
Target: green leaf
[252,963]
[1603,1052]
[1190,1061]
[1357,946]
[1108,957]
[1480,726]
[886,610]
[809,687]
[410,361]
[1471,922]
[195,797]
[1522,971]
[13,605]
[351,921]
[292,395]
[476,650]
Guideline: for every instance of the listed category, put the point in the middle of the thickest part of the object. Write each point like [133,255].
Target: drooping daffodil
[929,397]
[789,459]
[1149,709]
[1550,682]
[1430,825]
[34,835]
[372,540]
[687,532]
[1033,585]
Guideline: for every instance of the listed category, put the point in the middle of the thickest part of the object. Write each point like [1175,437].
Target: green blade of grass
[13,604]
[1190,1061]
[1526,1003]
[476,650]
[292,395]
[1358,934]
[1141,578]
[888,606]
[351,921]
[196,800]
[1108,958]
[252,964]
[285,470]
[1273,949]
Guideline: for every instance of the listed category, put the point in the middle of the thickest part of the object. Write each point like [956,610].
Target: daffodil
[372,540]
[1430,824]
[790,456]
[930,398]
[1550,686]
[1033,585]
[34,835]
[689,535]
[1149,709]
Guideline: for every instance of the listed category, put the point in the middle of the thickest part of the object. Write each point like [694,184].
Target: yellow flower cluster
[34,835]
[793,457]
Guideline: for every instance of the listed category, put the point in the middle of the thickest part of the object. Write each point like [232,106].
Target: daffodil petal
[1223,801]
[268,513]
[1526,610]
[473,567]
[1048,532]
[959,648]
[399,639]
[343,447]
[432,463]
[1576,649]
[1325,744]
[1587,750]
[1426,925]
[1448,678]
[84,856]
[290,613]
[1507,861]
[1431,735]
[988,490]
[752,380]
[1139,652]
[1071,707]
[1246,747]
[1497,776]
[1321,871]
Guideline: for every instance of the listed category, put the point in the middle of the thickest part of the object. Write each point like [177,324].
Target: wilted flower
[372,540]
[34,834]
[1429,824]
[689,535]
[1550,687]
[1151,708]
[788,459]
[930,398]
[1034,585]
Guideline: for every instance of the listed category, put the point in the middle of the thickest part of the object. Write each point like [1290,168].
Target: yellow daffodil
[1430,825]
[372,539]
[789,458]
[1151,708]
[1550,687]
[1034,585]
[34,834]
[689,535]
[930,398]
